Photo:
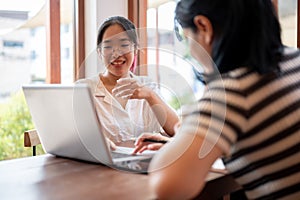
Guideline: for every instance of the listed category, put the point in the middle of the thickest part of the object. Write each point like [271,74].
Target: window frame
[137,12]
[53,40]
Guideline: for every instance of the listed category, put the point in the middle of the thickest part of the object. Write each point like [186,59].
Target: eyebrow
[120,40]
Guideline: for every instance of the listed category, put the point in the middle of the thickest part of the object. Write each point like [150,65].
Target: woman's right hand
[141,144]
[130,88]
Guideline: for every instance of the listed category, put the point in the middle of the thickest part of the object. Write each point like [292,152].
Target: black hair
[246,32]
[125,23]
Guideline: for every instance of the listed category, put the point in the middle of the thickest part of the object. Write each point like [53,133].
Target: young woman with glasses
[127,105]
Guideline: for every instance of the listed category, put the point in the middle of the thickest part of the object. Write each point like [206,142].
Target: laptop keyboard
[119,155]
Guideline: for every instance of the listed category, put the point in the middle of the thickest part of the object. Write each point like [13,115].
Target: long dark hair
[246,32]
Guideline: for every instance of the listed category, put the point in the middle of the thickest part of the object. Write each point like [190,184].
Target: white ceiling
[66,15]
[39,12]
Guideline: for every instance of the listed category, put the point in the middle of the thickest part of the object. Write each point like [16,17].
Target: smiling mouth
[118,62]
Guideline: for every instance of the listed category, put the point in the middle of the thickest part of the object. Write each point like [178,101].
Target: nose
[116,52]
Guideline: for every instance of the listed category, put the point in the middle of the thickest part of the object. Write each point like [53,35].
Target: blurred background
[23,56]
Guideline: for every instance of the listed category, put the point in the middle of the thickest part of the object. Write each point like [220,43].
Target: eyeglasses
[123,47]
[178,31]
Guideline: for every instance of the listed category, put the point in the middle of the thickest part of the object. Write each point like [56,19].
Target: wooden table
[50,177]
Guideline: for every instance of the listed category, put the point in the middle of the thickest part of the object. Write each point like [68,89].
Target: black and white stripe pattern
[256,120]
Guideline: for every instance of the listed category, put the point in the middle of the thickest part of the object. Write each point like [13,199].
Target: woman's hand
[141,144]
[111,144]
[130,88]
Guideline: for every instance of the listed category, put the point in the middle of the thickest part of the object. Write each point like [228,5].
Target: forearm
[182,154]
[165,115]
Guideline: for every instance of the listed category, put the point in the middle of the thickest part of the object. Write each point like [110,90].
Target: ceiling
[66,15]
[39,18]
[38,12]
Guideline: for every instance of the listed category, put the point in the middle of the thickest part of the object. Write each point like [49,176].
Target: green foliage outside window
[14,120]
[177,102]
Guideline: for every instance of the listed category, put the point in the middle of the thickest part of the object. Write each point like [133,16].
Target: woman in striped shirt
[250,112]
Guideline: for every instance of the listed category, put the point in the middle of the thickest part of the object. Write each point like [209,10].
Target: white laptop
[67,124]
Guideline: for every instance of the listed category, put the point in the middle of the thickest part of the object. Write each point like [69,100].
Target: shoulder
[93,79]
[92,82]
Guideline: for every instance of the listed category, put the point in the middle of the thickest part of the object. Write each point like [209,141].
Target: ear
[204,26]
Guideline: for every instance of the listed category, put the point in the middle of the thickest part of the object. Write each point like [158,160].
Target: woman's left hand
[141,144]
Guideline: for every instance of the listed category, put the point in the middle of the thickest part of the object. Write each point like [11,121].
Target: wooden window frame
[53,57]
[79,36]
[53,41]
[275,3]
[137,13]
[298,23]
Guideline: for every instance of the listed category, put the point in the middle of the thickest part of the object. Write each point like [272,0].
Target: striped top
[255,120]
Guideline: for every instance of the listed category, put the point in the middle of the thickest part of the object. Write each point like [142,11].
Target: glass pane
[22,61]
[20,53]
[66,41]
[167,63]
[287,11]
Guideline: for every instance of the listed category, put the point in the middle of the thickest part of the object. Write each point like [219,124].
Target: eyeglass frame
[117,46]
[176,30]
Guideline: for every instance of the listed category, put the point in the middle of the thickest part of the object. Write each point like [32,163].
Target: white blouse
[122,124]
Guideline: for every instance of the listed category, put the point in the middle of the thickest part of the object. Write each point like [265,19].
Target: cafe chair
[31,139]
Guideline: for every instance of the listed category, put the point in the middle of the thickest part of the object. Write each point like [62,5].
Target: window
[159,56]
[23,61]
[287,12]
[168,60]
[17,61]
